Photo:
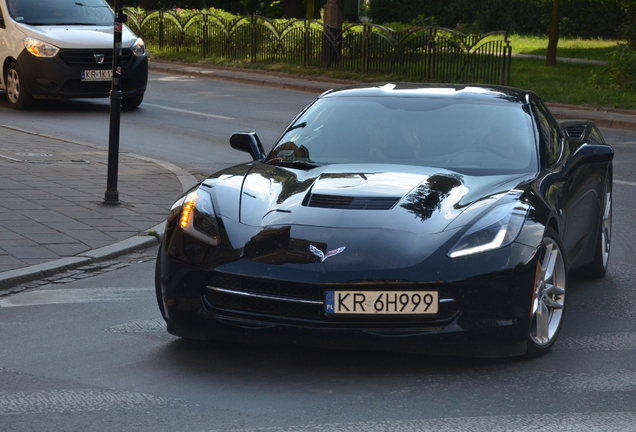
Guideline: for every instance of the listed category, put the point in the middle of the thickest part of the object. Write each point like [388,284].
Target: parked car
[428,218]
[64,49]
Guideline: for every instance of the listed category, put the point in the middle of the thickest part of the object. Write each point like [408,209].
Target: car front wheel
[17,94]
[549,296]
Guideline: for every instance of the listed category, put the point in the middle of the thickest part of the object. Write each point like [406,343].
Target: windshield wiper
[75,23]
[294,164]
[93,6]
[299,125]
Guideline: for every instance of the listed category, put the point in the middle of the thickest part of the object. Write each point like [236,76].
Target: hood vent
[575,132]
[352,203]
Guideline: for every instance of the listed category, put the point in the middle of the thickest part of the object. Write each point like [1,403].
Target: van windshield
[61,12]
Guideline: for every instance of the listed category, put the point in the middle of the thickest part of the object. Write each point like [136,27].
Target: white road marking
[220,117]
[64,401]
[67,296]
[625,182]
[611,421]
[600,342]
[144,326]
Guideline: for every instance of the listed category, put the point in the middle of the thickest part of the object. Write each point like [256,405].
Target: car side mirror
[594,153]
[589,154]
[248,142]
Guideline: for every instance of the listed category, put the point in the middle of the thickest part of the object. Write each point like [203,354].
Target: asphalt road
[187,121]
[90,352]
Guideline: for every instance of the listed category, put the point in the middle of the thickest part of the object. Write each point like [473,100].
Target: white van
[64,49]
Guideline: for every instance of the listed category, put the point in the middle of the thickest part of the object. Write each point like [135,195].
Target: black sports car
[429,218]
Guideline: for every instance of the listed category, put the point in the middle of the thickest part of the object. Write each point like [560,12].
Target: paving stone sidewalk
[51,194]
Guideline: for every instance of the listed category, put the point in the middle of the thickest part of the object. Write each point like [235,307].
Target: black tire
[598,267]
[17,95]
[548,307]
[132,102]
[158,284]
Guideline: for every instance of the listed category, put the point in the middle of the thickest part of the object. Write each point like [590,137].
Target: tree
[293,9]
[553,39]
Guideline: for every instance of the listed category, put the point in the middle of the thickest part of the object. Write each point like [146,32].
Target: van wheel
[17,94]
[132,102]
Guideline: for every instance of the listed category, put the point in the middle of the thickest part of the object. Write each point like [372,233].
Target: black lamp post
[112,195]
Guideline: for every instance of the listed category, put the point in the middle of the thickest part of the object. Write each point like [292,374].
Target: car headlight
[198,219]
[139,48]
[39,48]
[496,229]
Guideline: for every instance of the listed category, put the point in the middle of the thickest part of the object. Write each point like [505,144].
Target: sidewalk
[52,218]
[51,212]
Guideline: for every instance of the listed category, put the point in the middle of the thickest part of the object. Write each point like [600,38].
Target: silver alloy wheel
[549,296]
[606,226]
[13,86]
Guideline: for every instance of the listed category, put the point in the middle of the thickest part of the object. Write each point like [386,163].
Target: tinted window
[596,137]
[61,12]
[549,135]
[463,135]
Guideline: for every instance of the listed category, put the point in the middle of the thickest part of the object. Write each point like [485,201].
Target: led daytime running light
[186,212]
[198,219]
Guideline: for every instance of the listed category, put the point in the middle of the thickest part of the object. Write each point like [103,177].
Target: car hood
[78,37]
[419,200]
[374,218]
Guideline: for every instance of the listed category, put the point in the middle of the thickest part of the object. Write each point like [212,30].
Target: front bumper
[61,76]
[486,314]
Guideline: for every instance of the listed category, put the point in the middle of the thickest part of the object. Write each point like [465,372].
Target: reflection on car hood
[395,197]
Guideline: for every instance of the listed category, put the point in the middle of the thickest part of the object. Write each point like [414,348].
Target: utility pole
[111,197]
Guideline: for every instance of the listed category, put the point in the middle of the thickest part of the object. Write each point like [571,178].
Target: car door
[580,186]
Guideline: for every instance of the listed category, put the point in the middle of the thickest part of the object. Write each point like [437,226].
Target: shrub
[582,18]
[622,66]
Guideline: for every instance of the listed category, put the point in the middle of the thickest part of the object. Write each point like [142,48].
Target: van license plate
[97,75]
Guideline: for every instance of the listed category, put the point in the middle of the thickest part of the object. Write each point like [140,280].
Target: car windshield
[474,137]
[61,12]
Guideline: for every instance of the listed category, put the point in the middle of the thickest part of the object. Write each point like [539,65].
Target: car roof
[398,89]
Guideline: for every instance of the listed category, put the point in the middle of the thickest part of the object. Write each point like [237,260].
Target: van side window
[548,134]
[2,25]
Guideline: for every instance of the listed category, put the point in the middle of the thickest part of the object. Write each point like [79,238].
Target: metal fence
[432,54]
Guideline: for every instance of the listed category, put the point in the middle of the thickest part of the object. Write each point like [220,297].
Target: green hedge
[582,18]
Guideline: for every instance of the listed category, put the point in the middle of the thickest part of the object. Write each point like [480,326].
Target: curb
[11,278]
[245,76]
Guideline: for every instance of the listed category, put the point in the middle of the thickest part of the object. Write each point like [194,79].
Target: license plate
[382,302]
[97,75]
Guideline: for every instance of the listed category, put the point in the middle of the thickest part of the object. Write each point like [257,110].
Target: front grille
[85,59]
[261,305]
[352,203]
[233,293]
[264,286]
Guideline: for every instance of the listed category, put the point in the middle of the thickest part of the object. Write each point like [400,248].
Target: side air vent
[352,203]
[575,131]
